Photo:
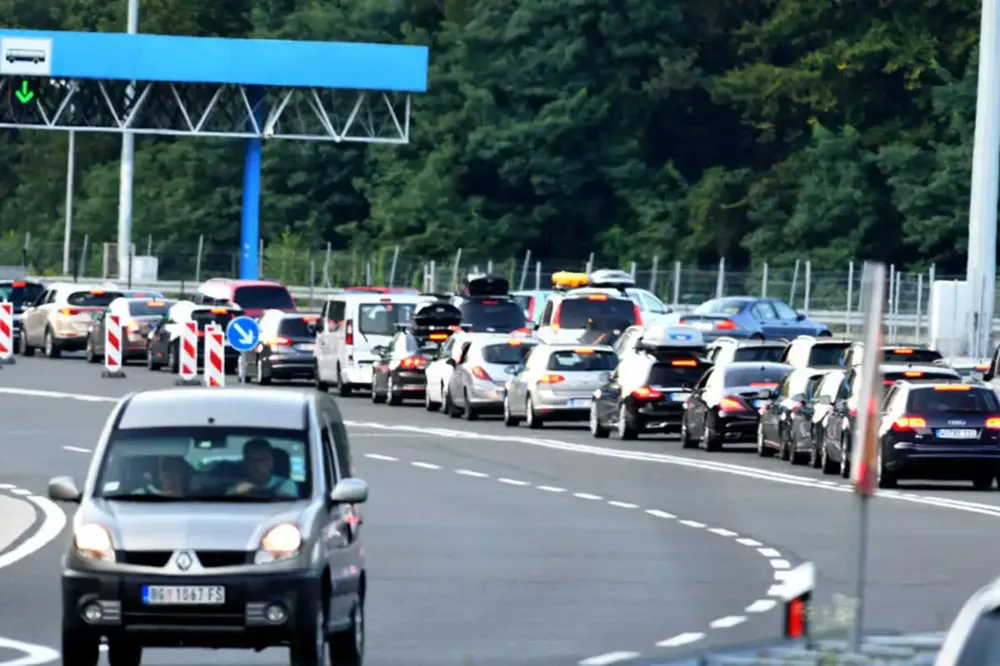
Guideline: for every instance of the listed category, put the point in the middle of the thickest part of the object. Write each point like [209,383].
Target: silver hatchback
[216,518]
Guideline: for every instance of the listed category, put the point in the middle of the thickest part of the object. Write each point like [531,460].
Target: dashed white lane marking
[779,565]
[681,639]
[6,486]
[609,658]
[76,449]
[20,491]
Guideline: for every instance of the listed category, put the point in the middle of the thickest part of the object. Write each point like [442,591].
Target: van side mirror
[799,316]
[63,489]
[349,491]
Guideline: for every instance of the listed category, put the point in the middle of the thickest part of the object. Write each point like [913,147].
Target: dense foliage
[756,131]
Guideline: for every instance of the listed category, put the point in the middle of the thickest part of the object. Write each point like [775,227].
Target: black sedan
[21,294]
[725,404]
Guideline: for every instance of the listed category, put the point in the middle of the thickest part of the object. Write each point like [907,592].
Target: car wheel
[470,413]
[123,652]
[845,461]
[347,648]
[80,648]
[449,407]
[173,357]
[815,458]
[26,349]
[151,363]
[531,417]
[825,464]
[429,404]
[308,646]
[625,431]
[784,451]
[320,384]
[343,388]
[17,342]
[393,397]
[687,442]
[710,440]
[597,429]
[886,479]
[51,346]
[983,482]
[262,378]
[91,356]
[377,397]
[763,450]
[509,419]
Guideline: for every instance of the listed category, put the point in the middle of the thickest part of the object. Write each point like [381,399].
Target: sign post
[866,458]
[243,334]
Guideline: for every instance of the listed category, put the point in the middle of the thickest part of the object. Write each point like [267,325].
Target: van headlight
[94,541]
[281,542]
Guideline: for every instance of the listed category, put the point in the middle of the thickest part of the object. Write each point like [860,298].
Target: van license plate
[963,433]
[577,402]
[183,595]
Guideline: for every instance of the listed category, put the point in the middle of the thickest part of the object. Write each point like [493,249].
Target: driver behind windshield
[258,465]
[173,476]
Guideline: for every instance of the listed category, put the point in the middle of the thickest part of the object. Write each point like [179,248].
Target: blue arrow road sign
[243,334]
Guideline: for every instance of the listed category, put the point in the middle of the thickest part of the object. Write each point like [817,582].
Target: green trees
[688,130]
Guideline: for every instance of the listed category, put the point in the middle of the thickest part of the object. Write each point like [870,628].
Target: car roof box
[611,279]
[436,316]
[485,286]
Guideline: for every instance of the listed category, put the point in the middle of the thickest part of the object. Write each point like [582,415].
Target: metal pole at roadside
[865,457]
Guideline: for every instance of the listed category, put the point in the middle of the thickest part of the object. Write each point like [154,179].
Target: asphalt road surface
[489,545]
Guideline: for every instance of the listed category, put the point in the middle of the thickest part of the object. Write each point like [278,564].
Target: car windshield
[92,299]
[507,353]
[721,306]
[758,353]
[264,297]
[957,399]
[906,355]
[381,318]
[21,294]
[502,316]
[606,312]
[673,373]
[830,353]
[144,308]
[205,464]
[297,327]
[583,360]
[769,375]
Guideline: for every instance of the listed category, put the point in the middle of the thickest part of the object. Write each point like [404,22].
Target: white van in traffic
[350,326]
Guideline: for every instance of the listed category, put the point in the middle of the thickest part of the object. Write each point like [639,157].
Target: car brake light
[413,363]
[902,352]
[953,387]
[597,297]
[993,423]
[731,405]
[554,323]
[385,300]
[15,285]
[551,379]
[646,393]
[69,312]
[349,332]
[310,319]
[97,292]
[491,302]
[280,342]
[764,384]
[852,412]
[725,325]
[531,307]
[583,351]
[638,314]
[218,310]
[685,363]
[913,374]
[514,342]
[438,337]
[521,331]
[480,373]
[888,382]
[909,423]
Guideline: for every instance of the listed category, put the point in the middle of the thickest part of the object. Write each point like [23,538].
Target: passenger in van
[258,465]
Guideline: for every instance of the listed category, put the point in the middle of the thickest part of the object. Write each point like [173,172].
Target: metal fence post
[677,283]
[524,270]
[795,283]
[920,310]
[654,271]
[197,259]
[720,278]
[763,281]
[891,309]
[807,292]
[850,295]
[392,267]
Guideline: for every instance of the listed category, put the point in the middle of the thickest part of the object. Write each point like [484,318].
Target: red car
[252,296]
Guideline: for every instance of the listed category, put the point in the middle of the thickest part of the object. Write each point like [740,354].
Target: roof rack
[608,278]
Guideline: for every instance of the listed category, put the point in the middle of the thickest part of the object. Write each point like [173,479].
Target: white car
[439,370]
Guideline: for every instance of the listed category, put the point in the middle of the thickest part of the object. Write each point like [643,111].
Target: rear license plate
[757,403]
[306,347]
[679,397]
[703,325]
[963,433]
[183,595]
[578,402]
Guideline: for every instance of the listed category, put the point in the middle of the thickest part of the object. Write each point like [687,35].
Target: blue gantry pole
[250,224]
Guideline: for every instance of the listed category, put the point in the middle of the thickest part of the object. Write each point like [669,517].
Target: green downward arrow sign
[24,95]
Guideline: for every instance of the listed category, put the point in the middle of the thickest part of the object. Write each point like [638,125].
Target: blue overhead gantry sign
[253,89]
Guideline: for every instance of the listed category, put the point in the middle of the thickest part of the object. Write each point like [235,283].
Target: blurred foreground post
[865,458]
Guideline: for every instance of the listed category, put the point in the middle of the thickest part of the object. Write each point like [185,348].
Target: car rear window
[583,361]
[769,375]
[724,306]
[964,399]
[264,297]
[606,312]
[830,353]
[897,355]
[381,318]
[754,353]
[506,354]
[297,327]
[502,316]
[21,294]
[669,374]
[889,378]
[92,299]
[143,308]
[206,317]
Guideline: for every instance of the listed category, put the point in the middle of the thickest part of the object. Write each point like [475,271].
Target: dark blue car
[751,317]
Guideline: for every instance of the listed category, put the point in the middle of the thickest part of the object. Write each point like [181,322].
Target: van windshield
[264,297]
[381,318]
[606,313]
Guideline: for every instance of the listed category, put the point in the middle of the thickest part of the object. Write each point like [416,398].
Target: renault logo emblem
[184,561]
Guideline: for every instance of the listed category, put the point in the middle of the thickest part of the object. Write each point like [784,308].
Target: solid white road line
[682,639]
[20,491]
[609,658]
[33,654]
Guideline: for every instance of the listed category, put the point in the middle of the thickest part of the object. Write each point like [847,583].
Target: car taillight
[521,331]
[133,327]
[684,363]
[279,342]
[725,325]
[852,412]
[993,423]
[551,379]
[646,393]
[554,323]
[480,373]
[531,307]
[349,332]
[792,406]
[638,314]
[69,312]
[909,423]
[731,405]
[413,363]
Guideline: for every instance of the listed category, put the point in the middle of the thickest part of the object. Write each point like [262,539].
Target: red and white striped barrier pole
[187,354]
[6,333]
[113,355]
[215,360]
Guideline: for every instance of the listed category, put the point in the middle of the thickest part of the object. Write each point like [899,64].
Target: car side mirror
[349,491]
[799,316]
[63,489]
[451,362]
